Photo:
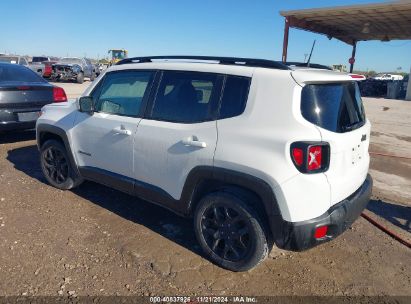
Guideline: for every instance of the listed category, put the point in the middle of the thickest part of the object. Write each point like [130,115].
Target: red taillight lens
[314,158]
[320,232]
[59,95]
[310,157]
[23,88]
[298,156]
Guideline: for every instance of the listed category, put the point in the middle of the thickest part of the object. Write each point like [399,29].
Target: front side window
[185,97]
[122,93]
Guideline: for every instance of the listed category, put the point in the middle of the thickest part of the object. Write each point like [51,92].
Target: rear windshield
[336,107]
[12,73]
[39,59]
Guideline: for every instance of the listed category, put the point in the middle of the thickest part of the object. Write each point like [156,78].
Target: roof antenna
[309,58]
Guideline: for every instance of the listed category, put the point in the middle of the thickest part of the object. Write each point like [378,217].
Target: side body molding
[218,177]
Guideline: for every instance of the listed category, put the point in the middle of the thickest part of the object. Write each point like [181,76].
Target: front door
[103,142]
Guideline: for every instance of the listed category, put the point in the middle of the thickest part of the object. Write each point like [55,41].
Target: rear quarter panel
[258,143]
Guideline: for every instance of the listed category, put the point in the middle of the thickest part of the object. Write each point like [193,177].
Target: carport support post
[354,49]
[285,42]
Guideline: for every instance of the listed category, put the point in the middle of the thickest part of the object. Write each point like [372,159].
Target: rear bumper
[15,125]
[298,236]
[9,119]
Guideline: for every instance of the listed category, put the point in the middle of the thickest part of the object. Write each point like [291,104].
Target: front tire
[230,232]
[56,166]
[80,78]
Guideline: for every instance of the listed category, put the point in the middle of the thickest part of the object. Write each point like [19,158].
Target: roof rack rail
[308,65]
[263,63]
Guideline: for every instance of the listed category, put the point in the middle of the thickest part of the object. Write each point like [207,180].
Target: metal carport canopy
[383,21]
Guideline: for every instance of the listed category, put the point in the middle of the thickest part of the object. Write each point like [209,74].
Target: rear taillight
[314,157]
[298,156]
[59,95]
[310,157]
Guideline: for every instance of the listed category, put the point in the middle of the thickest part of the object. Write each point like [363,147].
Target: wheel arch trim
[42,129]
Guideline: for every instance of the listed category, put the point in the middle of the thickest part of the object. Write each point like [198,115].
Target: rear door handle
[122,130]
[194,142]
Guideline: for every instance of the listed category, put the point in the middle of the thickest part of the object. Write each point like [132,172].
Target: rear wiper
[351,126]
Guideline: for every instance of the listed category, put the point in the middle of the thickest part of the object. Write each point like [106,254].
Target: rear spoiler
[307,76]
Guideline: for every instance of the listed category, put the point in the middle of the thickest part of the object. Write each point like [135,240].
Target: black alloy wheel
[226,232]
[55,164]
[230,231]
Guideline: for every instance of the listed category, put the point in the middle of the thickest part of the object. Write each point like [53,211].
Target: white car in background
[389,77]
[255,152]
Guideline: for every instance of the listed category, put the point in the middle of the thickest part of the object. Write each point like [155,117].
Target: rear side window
[13,72]
[122,93]
[336,107]
[234,97]
[185,97]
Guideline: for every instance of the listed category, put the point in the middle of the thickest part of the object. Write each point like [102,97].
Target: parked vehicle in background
[388,77]
[100,68]
[257,153]
[72,68]
[22,95]
[20,60]
[116,55]
[47,62]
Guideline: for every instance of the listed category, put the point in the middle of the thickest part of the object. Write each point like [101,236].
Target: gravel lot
[98,241]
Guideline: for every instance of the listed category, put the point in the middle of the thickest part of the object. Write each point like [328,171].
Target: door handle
[194,142]
[122,130]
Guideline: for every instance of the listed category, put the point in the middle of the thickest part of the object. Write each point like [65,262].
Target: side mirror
[86,104]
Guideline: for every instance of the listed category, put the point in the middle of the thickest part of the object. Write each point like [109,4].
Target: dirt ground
[98,241]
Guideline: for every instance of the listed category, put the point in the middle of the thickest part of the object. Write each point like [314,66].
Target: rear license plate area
[28,116]
[357,153]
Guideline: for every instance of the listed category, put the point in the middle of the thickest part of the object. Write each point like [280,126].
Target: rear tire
[80,78]
[230,232]
[56,166]
[93,76]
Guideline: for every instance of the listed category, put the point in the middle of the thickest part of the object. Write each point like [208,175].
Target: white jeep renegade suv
[256,152]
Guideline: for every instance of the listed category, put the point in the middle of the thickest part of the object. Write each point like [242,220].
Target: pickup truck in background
[73,68]
[21,60]
[44,63]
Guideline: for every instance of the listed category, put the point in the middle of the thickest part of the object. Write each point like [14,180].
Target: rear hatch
[332,102]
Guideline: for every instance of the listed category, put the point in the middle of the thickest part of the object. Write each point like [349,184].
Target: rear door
[180,132]
[336,108]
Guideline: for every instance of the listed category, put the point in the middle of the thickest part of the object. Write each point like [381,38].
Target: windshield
[335,107]
[118,54]
[70,60]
